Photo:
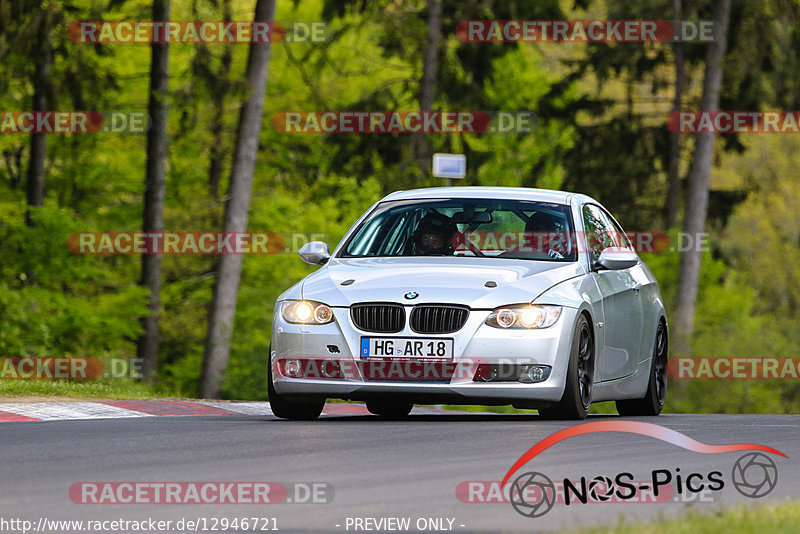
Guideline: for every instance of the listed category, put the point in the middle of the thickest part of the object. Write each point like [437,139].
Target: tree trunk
[226,286]
[153,219]
[217,146]
[427,93]
[219,86]
[42,85]
[674,165]
[697,201]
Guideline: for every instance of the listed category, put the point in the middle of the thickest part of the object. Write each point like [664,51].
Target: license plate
[406,347]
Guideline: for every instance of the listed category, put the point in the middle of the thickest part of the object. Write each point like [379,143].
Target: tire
[577,397]
[390,408]
[307,410]
[653,401]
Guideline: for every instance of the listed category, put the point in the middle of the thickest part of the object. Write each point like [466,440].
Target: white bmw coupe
[473,295]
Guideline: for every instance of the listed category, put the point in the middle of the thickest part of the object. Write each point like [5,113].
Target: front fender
[581,293]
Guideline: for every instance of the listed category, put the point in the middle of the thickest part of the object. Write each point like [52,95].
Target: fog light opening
[486,373]
[534,373]
[293,368]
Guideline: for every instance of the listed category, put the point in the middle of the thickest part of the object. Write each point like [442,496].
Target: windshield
[469,227]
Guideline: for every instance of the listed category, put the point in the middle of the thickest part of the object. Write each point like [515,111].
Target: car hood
[436,280]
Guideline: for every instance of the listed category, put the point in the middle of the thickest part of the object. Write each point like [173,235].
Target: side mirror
[615,259]
[315,253]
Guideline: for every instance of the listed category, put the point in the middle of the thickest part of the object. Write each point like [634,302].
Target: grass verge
[777,518]
[86,389]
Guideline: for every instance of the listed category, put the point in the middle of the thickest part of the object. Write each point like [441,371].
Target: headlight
[524,316]
[306,312]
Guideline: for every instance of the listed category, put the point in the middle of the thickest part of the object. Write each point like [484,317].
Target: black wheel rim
[585,365]
[660,365]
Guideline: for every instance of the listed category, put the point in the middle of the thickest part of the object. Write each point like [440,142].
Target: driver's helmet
[544,232]
[434,235]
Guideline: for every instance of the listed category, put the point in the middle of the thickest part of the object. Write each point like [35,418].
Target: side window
[600,232]
[619,236]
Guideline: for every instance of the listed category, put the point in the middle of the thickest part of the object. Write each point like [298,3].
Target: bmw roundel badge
[411,295]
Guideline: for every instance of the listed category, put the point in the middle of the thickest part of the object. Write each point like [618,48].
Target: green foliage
[728,324]
[522,159]
[779,518]
[53,302]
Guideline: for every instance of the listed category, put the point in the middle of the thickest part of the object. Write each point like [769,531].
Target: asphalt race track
[378,469]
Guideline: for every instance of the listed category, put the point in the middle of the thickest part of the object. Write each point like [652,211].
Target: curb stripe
[169,408]
[242,408]
[8,416]
[54,411]
[116,409]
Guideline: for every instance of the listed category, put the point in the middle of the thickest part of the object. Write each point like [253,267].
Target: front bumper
[475,343]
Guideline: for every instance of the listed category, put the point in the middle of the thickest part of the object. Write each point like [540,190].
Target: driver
[541,237]
[434,235]
[540,230]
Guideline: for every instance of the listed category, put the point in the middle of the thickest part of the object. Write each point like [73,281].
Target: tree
[697,200]
[42,98]
[226,285]
[674,163]
[427,91]
[218,84]
[403,30]
[153,220]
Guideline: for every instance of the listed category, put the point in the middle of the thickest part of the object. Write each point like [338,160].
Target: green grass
[87,389]
[778,518]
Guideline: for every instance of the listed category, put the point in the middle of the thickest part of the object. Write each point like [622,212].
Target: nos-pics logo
[533,494]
